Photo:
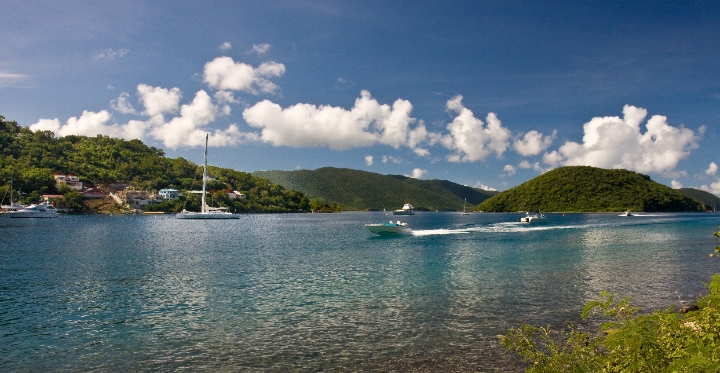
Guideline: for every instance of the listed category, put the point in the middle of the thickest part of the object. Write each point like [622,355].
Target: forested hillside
[29,159]
[361,190]
[710,200]
[590,189]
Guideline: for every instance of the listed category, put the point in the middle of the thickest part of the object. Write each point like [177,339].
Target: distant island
[362,190]
[591,189]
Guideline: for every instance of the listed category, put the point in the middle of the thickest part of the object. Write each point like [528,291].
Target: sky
[487,94]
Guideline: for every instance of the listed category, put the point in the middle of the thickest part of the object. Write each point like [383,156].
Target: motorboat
[389,228]
[40,210]
[407,209]
[627,213]
[206,212]
[536,218]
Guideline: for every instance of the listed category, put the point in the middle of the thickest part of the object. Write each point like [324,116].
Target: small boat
[627,213]
[407,209]
[206,212]
[536,218]
[389,228]
[41,210]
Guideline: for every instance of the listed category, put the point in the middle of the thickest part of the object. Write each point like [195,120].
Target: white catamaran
[207,212]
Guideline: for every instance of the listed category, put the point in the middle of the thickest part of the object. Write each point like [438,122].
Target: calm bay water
[316,292]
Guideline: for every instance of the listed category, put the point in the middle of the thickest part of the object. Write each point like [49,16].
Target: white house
[169,194]
[70,180]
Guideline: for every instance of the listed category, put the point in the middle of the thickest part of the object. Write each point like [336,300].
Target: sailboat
[207,212]
[465,212]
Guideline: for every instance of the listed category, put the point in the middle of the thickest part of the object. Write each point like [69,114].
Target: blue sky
[486,94]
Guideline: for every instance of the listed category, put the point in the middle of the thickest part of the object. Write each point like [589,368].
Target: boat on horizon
[536,218]
[407,209]
[389,228]
[627,213]
[206,212]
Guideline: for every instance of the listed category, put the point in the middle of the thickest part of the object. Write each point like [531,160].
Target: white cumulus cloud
[417,173]
[712,169]
[614,142]
[482,186]
[224,73]
[509,170]
[533,143]
[158,100]
[225,46]
[470,138]
[91,124]
[676,184]
[367,123]
[122,105]
[369,160]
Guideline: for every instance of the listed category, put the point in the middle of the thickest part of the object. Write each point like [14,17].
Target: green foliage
[71,198]
[361,190]
[590,189]
[663,341]
[322,205]
[29,159]
[710,200]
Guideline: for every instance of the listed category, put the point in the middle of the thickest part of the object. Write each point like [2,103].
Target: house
[169,194]
[234,194]
[70,180]
[137,199]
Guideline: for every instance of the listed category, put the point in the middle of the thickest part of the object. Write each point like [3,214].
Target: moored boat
[389,228]
[206,212]
[41,210]
[407,209]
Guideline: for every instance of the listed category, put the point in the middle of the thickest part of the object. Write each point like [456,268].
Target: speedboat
[41,210]
[536,218]
[389,228]
[407,209]
[627,213]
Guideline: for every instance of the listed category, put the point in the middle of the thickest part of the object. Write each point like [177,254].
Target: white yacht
[389,228]
[41,210]
[536,218]
[207,212]
[407,209]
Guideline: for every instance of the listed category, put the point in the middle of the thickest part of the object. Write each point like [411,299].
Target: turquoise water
[316,292]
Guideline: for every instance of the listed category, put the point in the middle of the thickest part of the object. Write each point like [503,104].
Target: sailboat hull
[206,215]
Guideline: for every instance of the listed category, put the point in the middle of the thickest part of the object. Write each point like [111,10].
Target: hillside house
[70,180]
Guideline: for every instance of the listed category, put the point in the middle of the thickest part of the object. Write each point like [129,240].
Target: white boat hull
[33,211]
[206,215]
[389,229]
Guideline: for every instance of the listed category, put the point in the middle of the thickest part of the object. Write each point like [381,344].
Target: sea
[319,293]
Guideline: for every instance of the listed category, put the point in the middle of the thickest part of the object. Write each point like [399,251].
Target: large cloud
[224,73]
[470,138]
[533,143]
[158,100]
[614,142]
[366,124]
[92,124]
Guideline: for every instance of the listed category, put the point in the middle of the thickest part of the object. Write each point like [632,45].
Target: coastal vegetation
[710,200]
[362,190]
[29,160]
[687,340]
[590,189]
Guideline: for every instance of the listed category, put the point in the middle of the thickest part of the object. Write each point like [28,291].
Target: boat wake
[435,232]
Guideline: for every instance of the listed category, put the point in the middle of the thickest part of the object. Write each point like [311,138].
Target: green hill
[590,189]
[29,159]
[361,190]
[710,200]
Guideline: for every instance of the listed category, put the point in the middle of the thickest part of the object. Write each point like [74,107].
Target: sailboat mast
[202,206]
